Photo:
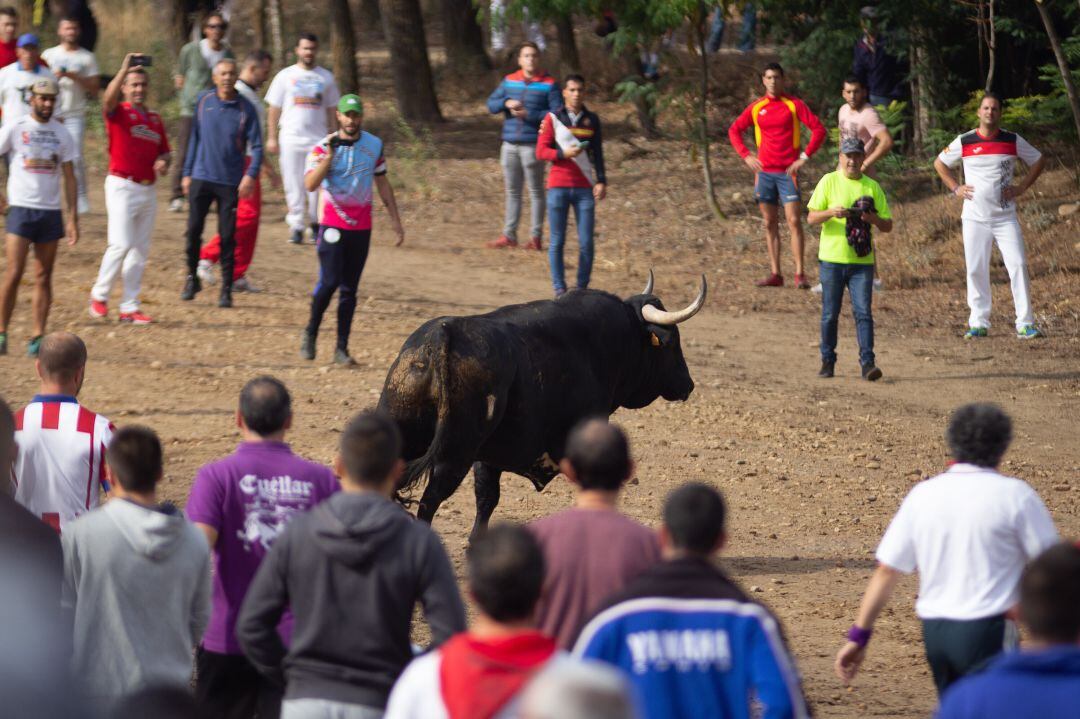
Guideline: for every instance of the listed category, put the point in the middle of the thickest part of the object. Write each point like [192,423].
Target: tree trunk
[259,18]
[568,50]
[463,38]
[369,18]
[414,86]
[277,42]
[921,103]
[703,111]
[1063,64]
[343,47]
[642,105]
[991,48]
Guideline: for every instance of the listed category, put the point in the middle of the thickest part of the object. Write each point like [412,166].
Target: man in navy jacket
[224,129]
[692,643]
[1042,680]
[524,98]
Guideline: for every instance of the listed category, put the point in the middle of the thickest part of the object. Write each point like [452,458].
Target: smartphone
[143,60]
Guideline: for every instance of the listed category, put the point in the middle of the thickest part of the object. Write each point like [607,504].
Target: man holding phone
[847,204]
[577,178]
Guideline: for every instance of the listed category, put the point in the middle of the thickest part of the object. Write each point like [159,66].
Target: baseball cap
[851,145]
[350,103]
[28,38]
[44,86]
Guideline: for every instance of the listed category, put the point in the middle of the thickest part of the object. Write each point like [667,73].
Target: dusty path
[812,469]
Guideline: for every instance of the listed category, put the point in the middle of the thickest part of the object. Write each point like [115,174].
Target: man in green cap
[342,168]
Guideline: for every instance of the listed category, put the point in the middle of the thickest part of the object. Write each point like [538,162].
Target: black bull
[499,392]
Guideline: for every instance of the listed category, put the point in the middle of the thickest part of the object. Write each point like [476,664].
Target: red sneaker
[135,318]
[801,283]
[771,281]
[502,242]
[98,309]
[534,244]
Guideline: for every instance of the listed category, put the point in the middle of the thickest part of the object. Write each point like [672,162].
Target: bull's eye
[419,366]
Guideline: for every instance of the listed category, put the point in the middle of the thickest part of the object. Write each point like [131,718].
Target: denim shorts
[35,225]
[776,188]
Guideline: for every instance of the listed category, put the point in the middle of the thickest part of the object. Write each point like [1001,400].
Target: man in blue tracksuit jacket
[524,98]
[693,645]
[1042,680]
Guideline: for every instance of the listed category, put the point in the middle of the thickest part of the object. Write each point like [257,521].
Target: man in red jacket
[777,118]
[571,141]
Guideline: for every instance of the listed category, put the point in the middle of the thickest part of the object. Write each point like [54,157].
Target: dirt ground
[812,469]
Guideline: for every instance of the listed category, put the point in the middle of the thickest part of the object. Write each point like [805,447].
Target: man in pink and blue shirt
[242,503]
[343,168]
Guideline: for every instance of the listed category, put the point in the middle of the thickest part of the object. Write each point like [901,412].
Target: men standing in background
[16,78]
[303,99]
[9,25]
[40,154]
[194,73]
[523,98]
[216,169]
[879,68]
[138,155]
[256,69]
[77,71]
[989,157]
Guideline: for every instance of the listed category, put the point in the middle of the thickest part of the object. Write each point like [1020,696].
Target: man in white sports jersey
[77,72]
[303,102]
[59,466]
[989,156]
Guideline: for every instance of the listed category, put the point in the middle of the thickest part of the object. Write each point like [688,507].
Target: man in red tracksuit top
[576,180]
[776,120]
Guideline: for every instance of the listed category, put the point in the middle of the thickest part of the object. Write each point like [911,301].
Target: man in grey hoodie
[352,570]
[136,578]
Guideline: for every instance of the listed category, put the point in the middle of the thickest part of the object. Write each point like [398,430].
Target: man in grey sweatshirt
[136,578]
[352,570]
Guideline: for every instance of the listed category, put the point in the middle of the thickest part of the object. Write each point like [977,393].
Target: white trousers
[979,239]
[299,202]
[497,12]
[76,126]
[131,208]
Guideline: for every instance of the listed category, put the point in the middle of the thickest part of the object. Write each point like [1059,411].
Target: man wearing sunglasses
[194,73]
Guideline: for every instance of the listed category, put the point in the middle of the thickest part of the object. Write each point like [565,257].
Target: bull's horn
[648,285]
[658,316]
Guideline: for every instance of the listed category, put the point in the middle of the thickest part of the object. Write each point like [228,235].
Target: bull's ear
[660,336]
[654,339]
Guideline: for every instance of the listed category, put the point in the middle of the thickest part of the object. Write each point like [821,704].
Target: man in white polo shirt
[968,532]
[303,102]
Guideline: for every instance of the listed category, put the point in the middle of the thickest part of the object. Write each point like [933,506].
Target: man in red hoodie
[777,118]
[479,674]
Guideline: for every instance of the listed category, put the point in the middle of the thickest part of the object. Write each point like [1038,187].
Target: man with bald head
[591,550]
[60,462]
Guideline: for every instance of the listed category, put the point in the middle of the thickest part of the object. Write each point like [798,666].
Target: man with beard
[41,151]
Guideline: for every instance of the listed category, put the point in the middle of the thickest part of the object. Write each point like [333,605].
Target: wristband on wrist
[859,636]
[803,156]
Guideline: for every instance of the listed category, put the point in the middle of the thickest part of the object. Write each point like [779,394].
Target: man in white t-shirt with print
[16,78]
[989,157]
[41,151]
[303,102]
[968,532]
[77,71]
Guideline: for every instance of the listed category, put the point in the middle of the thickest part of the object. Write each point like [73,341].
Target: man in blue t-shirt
[693,644]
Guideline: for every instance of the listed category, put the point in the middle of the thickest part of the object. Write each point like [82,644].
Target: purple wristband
[859,636]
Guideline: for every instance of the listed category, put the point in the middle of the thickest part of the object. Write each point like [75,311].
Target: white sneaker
[816,289]
[83,205]
[244,285]
[205,272]
[177,205]
[878,285]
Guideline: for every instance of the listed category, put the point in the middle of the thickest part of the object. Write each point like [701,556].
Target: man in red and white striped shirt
[61,456]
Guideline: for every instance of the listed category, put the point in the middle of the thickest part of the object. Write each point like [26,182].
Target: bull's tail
[421,467]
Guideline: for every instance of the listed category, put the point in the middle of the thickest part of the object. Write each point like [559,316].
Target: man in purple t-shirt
[242,503]
[591,550]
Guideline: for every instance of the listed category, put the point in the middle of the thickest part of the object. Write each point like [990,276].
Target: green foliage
[413,150]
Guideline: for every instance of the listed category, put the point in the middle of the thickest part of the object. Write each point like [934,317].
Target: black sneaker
[826,369]
[342,357]
[192,287]
[225,300]
[297,237]
[314,233]
[307,346]
[871,373]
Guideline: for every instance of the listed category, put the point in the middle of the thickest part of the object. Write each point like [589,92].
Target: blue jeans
[859,279]
[747,36]
[559,202]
